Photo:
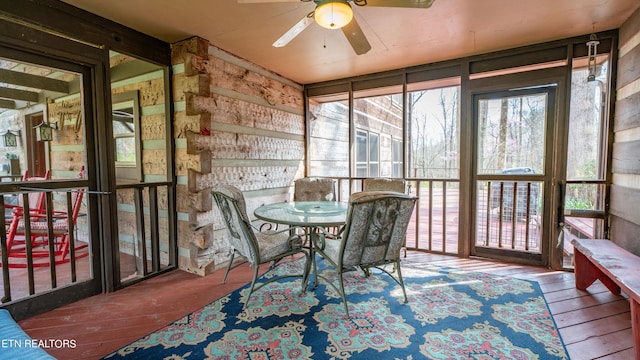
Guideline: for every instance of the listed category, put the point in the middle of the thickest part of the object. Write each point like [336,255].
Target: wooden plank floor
[594,324]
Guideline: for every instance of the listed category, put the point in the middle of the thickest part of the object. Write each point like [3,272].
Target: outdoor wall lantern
[593,54]
[10,138]
[44,131]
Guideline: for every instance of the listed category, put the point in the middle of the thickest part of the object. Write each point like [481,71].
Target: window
[377,116]
[434,119]
[397,158]
[361,153]
[329,136]
[374,155]
[125,116]
[367,154]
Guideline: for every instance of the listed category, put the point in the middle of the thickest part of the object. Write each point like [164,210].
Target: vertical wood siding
[625,191]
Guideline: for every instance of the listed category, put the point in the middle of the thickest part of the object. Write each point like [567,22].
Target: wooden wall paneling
[195,238]
[625,203]
[243,126]
[625,194]
[234,77]
[226,145]
[151,91]
[327,128]
[199,201]
[247,177]
[65,159]
[628,66]
[320,167]
[629,29]
[153,127]
[626,157]
[329,150]
[154,161]
[198,123]
[181,50]
[224,109]
[627,115]
[625,234]
[200,162]
[185,85]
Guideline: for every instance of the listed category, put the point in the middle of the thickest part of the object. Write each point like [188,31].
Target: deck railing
[434,225]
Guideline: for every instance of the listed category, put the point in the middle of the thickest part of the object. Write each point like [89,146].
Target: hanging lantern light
[10,138]
[44,131]
[593,56]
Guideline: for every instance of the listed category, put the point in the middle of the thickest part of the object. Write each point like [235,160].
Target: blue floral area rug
[451,314]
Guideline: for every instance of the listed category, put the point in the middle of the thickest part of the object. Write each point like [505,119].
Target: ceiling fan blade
[356,37]
[266,1]
[294,31]
[399,3]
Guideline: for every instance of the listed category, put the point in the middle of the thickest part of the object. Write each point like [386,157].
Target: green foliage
[579,204]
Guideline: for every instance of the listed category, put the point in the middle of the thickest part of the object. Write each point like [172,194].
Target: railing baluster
[527,218]
[500,209]
[51,242]
[27,242]
[142,243]
[430,215]
[444,216]
[153,225]
[514,215]
[6,282]
[72,241]
[488,216]
[417,215]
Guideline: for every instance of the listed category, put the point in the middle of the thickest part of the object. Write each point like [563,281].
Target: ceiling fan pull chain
[360,2]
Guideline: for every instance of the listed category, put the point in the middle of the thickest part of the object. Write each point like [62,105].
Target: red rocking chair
[51,234]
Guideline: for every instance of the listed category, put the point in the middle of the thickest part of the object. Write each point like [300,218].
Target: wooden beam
[7,104]
[17,94]
[132,68]
[33,81]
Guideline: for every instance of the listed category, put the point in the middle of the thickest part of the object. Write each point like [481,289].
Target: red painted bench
[616,268]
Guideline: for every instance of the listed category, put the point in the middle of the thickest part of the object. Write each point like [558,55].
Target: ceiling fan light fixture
[333,14]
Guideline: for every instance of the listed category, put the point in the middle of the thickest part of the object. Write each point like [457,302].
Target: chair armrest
[35,214]
[322,236]
[295,238]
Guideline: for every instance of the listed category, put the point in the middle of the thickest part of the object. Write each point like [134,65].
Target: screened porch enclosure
[379,150]
[48,183]
[502,161]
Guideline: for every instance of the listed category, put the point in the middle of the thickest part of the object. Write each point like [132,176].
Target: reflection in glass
[378,121]
[434,118]
[42,120]
[511,133]
[329,136]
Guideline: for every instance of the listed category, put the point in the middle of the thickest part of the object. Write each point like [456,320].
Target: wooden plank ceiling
[399,37]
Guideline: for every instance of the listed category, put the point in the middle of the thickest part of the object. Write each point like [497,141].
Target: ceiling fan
[338,14]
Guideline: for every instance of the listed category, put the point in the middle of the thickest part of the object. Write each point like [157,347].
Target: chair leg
[253,284]
[224,280]
[342,293]
[400,280]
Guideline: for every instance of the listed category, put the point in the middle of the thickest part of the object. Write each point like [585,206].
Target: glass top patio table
[304,213]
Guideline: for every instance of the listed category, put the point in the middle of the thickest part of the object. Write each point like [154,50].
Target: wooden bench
[616,268]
